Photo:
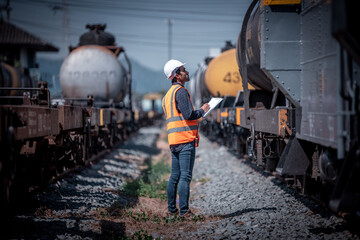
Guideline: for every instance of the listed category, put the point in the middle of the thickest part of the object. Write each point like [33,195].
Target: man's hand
[205,107]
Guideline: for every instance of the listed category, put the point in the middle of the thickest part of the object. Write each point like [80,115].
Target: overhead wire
[101,9]
[117,5]
[139,39]
[76,31]
[120,39]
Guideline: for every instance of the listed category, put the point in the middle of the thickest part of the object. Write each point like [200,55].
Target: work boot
[171,214]
[187,215]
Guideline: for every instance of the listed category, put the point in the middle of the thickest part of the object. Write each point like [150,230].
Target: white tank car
[93,70]
[197,88]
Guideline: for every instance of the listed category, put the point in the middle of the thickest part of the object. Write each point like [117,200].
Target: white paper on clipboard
[213,103]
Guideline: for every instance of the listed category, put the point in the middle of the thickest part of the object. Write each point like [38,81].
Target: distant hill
[49,70]
[145,80]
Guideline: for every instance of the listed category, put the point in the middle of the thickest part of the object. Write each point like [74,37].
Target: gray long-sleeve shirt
[184,105]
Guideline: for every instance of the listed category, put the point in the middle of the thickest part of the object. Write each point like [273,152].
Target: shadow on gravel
[141,148]
[306,200]
[353,228]
[246,210]
[112,230]
[70,228]
[350,224]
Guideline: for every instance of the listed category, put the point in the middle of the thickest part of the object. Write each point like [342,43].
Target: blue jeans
[181,174]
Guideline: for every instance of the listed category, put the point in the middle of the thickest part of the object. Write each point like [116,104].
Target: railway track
[231,198]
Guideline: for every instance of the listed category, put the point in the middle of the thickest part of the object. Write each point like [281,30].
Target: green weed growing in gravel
[144,217]
[138,216]
[151,184]
[198,218]
[156,219]
[173,219]
[143,235]
[204,180]
[104,214]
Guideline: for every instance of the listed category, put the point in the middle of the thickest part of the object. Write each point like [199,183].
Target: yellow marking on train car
[218,115]
[238,115]
[101,117]
[281,2]
[136,115]
[225,114]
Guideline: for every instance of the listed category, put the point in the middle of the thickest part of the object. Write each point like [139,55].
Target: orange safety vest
[178,128]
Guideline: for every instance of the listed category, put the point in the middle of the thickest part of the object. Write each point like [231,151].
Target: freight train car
[302,118]
[220,77]
[41,138]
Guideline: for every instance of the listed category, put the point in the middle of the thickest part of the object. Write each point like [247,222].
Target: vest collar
[176,83]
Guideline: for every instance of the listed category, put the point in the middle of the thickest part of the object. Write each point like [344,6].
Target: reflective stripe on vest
[182,129]
[179,129]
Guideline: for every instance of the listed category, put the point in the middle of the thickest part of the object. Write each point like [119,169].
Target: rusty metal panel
[70,117]
[268,121]
[30,122]
[127,115]
[95,116]
[283,121]
[120,116]
[218,115]
[105,116]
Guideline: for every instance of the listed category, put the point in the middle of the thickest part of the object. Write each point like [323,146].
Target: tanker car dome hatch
[228,46]
[97,36]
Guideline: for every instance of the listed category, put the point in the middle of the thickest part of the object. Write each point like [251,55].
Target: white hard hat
[171,67]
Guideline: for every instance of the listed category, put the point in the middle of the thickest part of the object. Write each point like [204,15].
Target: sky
[140,26]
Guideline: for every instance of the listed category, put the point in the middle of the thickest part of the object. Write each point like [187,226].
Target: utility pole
[6,7]
[170,23]
[65,27]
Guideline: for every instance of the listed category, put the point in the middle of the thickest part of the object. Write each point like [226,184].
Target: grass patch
[151,184]
[204,180]
[143,235]
[144,216]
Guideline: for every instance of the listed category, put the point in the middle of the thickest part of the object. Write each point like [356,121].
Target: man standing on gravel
[183,135]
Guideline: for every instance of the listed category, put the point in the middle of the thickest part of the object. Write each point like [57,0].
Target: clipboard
[213,103]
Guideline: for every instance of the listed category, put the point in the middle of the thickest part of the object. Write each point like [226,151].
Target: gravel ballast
[254,205]
[237,200]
